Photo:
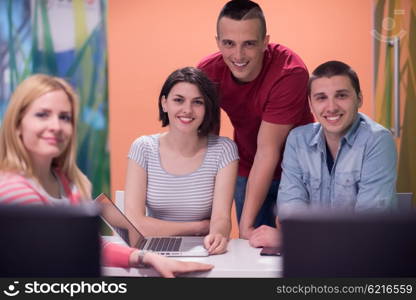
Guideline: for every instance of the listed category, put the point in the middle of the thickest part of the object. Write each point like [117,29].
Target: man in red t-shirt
[263,89]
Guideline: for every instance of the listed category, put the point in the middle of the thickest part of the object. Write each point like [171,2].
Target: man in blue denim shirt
[346,161]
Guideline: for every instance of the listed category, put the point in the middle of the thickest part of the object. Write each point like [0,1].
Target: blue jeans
[266,214]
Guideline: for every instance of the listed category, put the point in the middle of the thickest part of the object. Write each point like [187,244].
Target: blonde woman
[38,162]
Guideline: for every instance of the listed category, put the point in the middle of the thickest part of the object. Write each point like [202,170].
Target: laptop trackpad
[194,245]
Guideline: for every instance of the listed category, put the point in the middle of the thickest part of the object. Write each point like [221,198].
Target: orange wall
[149,39]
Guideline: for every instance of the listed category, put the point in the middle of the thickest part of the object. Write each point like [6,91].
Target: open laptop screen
[118,222]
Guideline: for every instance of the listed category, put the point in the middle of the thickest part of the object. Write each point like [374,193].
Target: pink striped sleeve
[14,191]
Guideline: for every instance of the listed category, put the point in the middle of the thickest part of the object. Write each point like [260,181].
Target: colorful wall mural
[65,38]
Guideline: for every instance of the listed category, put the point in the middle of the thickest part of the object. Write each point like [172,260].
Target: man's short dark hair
[243,10]
[192,75]
[334,68]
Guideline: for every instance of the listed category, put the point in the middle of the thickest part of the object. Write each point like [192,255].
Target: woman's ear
[163,101]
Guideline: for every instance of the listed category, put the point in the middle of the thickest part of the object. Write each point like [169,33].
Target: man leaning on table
[345,161]
[262,88]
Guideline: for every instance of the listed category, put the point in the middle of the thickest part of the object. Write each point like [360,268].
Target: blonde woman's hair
[13,155]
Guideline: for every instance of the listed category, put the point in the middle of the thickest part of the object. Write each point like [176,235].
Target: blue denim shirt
[363,177]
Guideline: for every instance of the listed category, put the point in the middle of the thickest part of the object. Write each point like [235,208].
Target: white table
[239,261]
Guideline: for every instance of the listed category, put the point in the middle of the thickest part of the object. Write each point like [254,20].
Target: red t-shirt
[278,95]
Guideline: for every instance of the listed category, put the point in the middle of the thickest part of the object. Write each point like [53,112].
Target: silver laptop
[168,246]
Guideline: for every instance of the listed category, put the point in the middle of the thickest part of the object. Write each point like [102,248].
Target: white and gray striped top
[181,197]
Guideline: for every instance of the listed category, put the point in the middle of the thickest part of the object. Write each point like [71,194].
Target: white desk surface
[241,260]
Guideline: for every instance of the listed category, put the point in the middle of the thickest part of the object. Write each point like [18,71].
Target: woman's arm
[116,255]
[219,231]
[168,267]
[135,204]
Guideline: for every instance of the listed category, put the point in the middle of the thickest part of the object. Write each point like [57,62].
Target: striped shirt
[17,189]
[181,197]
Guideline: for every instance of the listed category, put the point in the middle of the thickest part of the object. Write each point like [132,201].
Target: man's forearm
[258,185]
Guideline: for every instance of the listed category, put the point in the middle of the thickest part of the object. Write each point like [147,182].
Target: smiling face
[335,104]
[242,47]
[46,127]
[185,107]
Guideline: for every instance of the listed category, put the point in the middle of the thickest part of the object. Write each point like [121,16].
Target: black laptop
[347,245]
[50,241]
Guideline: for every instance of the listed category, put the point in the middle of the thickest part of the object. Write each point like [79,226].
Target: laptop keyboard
[164,244]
